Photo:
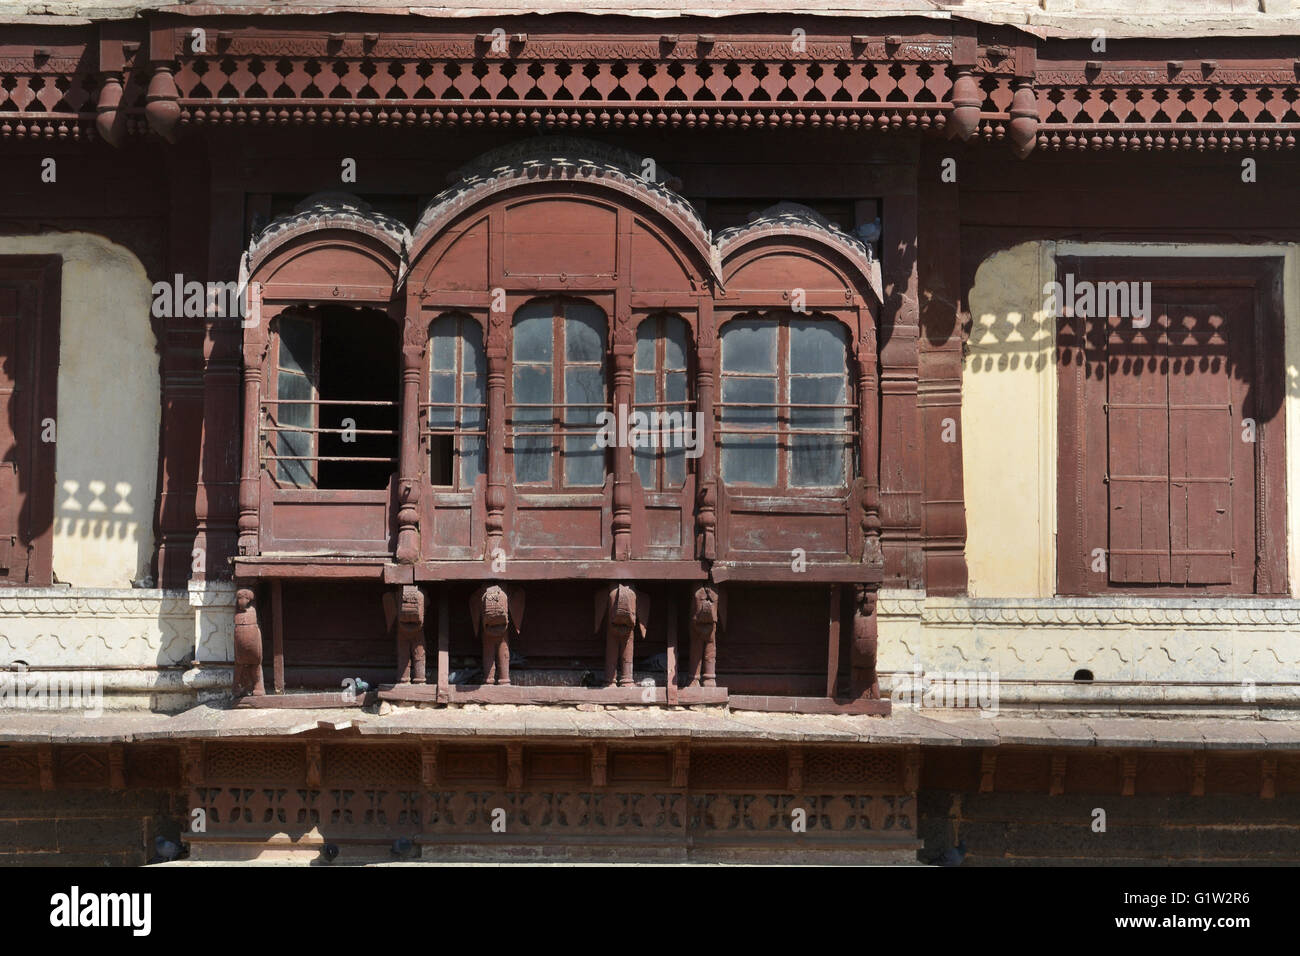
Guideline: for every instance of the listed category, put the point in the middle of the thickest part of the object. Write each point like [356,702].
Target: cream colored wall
[106,456]
[1009,412]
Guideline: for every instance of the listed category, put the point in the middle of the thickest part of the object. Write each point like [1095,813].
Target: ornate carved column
[251,472]
[706,493]
[869,445]
[624,353]
[497,425]
[408,484]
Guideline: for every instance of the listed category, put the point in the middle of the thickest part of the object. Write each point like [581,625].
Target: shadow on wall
[102,519]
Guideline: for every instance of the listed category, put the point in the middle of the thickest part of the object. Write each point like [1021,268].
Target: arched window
[660,382]
[785,415]
[330,417]
[457,409]
[558,393]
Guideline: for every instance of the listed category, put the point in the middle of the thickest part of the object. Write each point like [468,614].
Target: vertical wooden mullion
[558,364]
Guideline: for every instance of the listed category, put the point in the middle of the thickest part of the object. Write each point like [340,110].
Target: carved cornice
[1089,612]
[262,74]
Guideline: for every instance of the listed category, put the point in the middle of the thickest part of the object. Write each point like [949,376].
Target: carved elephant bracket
[494,610]
[623,612]
[404,611]
[248,647]
[708,615]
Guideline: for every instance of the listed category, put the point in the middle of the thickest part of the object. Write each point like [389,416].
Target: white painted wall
[109,412]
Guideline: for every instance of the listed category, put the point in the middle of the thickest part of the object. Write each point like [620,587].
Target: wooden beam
[277,634]
[833,645]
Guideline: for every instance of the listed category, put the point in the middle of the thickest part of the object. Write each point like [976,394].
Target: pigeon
[953,856]
[589,680]
[329,852]
[868,232]
[404,849]
[166,850]
[466,675]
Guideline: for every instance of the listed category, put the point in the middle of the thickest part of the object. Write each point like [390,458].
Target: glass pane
[442,388]
[443,334]
[532,459]
[756,390]
[749,345]
[675,388]
[584,332]
[297,344]
[749,461]
[645,346]
[644,389]
[532,387]
[818,461]
[584,384]
[817,390]
[674,343]
[473,447]
[472,360]
[817,346]
[644,459]
[533,332]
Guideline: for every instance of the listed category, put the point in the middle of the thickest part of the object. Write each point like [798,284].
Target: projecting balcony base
[314,700]
[809,705]
[512,694]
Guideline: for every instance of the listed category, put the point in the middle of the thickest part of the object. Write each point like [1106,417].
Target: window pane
[817,390]
[817,346]
[761,391]
[584,332]
[532,456]
[584,460]
[532,333]
[294,444]
[645,346]
[443,334]
[674,343]
[297,344]
[749,461]
[817,461]
[442,388]
[472,360]
[749,345]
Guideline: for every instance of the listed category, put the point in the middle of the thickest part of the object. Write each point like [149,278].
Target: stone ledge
[904,728]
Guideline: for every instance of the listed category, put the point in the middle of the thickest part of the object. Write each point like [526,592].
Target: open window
[331,416]
[661,395]
[557,394]
[457,410]
[786,420]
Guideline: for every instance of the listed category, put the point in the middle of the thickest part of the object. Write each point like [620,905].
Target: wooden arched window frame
[557,389]
[786,414]
[455,412]
[661,390]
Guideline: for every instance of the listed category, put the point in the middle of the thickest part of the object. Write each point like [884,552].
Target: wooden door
[29,301]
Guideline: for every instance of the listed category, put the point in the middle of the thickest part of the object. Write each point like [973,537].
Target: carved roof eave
[563,159]
[326,212]
[786,220]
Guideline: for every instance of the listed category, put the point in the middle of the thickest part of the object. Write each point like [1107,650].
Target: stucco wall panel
[109,411]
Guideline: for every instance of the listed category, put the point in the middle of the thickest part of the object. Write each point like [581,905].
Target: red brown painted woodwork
[495,611]
[248,646]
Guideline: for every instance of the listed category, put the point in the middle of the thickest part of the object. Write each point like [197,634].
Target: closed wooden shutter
[29,348]
[1179,476]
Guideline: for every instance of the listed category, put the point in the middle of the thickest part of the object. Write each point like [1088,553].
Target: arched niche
[788,266]
[331,264]
[556,213]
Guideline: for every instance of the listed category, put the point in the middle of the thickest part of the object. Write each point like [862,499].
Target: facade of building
[820,436]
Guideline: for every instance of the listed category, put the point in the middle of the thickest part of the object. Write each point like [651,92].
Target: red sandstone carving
[248,647]
[405,614]
[708,613]
[623,611]
[494,610]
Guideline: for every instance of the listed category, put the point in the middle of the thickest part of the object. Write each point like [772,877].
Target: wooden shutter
[29,299]
[1174,442]
[1204,436]
[1137,424]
